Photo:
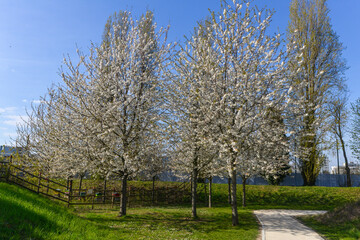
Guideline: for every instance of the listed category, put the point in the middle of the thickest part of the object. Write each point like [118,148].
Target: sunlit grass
[176,223]
[25,215]
[340,223]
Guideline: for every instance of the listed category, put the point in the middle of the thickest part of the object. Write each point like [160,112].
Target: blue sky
[36,35]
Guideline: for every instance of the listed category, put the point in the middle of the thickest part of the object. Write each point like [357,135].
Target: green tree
[317,65]
[338,121]
[355,129]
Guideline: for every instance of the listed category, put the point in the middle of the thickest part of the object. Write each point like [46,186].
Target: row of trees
[231,101]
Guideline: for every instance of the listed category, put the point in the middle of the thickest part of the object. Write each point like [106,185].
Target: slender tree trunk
[348,176]
[244,192]
[123,199]
[337,156]
[67,183]
[191,183]
[235,217]
[104,195]
[153,190]
[205,191]
[194,192]
[81,178]
[229,190]
[210,192]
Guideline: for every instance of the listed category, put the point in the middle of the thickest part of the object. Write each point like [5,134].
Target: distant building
[8,152]
[354,169]
[325,168]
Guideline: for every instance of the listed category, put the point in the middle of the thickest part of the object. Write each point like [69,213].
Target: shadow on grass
[210,220]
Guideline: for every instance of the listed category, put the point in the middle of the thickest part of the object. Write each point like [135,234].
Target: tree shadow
[209,220]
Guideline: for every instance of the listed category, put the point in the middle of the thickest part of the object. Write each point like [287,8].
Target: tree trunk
[235,217]
[123,199]
[104,195]
[210,192]
[244,192]
[193,192]
[311,163]
[205,191]
[308,180]
[81,178]
[153,190]
[229,190]
[348,177]
[67,183]
[309,172]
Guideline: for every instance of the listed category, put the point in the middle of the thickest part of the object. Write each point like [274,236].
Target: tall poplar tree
[318,51]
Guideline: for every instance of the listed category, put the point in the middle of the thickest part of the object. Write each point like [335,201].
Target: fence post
[47,186]
[39,182]
[8,172]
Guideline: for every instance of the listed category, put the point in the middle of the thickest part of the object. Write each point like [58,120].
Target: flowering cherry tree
[108,111]
[248,77]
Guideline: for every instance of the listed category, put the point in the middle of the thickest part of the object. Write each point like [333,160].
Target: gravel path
[280,225]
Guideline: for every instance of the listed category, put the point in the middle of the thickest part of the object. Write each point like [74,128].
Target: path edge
[261,226]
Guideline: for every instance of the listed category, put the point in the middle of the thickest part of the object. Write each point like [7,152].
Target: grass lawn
[348,230]
[287,197]
[176,223]
[25,215]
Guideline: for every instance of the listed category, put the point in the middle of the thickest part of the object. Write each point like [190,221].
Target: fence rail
[94,195]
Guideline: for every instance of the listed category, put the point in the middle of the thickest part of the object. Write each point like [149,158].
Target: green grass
[340,223]
[25,215]
[287,197]
[258,197]
[176,223]
[348,230]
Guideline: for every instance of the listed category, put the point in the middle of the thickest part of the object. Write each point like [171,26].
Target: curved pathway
[281,225]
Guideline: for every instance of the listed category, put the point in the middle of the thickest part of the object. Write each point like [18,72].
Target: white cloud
[13,120]
[7,109]
[24,100]
[10,134]
[37,101]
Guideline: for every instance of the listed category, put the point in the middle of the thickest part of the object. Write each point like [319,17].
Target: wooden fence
[93,194]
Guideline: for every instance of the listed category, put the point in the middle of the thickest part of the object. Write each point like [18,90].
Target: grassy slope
[340,223]
[25,215]
[262,197]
